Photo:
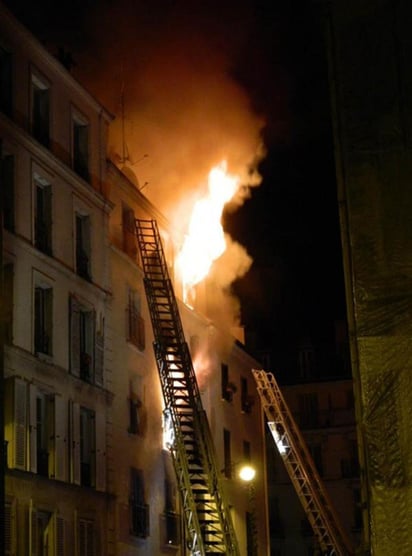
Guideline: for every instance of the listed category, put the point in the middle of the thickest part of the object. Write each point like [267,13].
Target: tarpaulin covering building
[370,51]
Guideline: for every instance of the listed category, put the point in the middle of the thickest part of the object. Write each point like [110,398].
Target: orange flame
[205,241]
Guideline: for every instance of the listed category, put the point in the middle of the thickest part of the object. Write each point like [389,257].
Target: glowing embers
[205,241]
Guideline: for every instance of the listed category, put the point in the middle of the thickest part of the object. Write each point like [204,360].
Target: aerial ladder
[207,518]
[299,464]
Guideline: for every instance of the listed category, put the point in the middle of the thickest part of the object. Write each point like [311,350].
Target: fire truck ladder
[302,471]
[207,518]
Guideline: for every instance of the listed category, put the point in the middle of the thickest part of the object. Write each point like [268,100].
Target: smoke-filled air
[166,71]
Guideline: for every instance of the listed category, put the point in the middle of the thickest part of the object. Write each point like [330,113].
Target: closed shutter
[20,424]
[59,450]
[60,548]
[75,443]
[10,529]
[8,279]
[74,336]
[99,358]
[33,542]
[33,429]
[100,451]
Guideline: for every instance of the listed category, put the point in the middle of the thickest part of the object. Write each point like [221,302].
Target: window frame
[40,93]
[80,145]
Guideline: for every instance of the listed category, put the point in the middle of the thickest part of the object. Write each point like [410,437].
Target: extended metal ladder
[208,521]
[299,464]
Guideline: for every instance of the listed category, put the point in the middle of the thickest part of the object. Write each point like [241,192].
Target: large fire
[205,240]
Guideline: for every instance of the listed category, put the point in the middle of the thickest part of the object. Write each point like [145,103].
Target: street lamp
[246,472]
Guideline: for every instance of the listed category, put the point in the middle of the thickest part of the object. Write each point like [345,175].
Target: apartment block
[88,471]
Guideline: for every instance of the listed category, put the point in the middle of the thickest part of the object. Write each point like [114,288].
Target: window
[36,430]
[246,451]
[43,215]
[251,535]
[308,409]
[80,146]
[43,306]
[40,110]
[83,246]
[87,537]
[228,388]
[139,511]
[86,343]
[42,433]
[8,280]
[129,232]
[7,191]
[87,447]
[135,322]
[170,524]
[227,455]
[6,88]
[246,399]
[316,453]
[307,360]
[135,405]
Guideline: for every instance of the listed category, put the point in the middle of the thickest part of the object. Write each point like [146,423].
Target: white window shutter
[19,448]
[75,443]
[74,336]
[100,451]
[33,429]
[59,450]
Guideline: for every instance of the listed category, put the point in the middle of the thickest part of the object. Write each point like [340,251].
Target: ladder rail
[207,517]
[301,469]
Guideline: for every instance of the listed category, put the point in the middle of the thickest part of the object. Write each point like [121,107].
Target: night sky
[289,225]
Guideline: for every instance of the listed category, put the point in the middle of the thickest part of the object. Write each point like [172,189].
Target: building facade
[87,472]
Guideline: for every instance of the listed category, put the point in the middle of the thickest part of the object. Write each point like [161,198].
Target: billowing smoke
[166,71]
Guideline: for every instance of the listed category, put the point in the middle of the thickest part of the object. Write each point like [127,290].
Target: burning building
[87,469]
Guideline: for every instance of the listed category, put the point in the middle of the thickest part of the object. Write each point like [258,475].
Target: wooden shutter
[33,543]
[59,450]
[75,443]
[33,428]
[19,457]
[74,336]
[10,529]
[99,357]
[60,534]
[100,451]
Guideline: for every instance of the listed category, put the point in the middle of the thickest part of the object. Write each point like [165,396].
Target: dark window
[139,511]
[251,535]
[246,399]
[316,453]
[43,218]
[43,320]
[129,232]
[7,191]
[246,450]
[227,453]
[87,537]
[87,447]
[170,519]
[6,88]
[40,115]
[135,322]
[228,388]
[83,246]
[308,409]
[8,280]
[81,148]
[86,343]
[42,434]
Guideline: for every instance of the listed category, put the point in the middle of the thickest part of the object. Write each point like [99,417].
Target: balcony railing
[139,520]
